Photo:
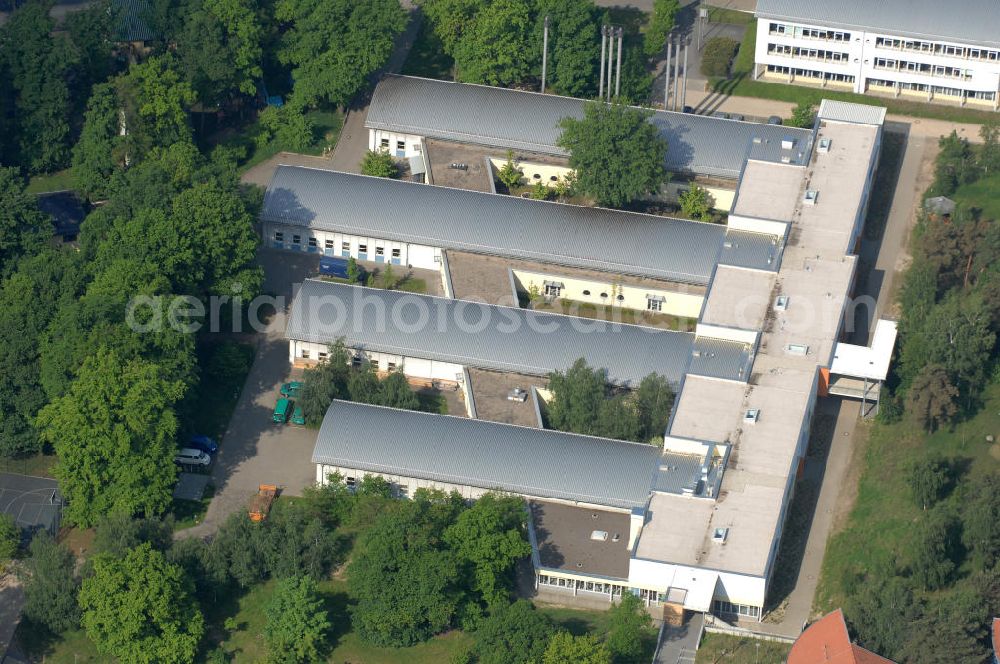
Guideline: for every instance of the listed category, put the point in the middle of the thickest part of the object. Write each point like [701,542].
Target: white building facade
[792,48]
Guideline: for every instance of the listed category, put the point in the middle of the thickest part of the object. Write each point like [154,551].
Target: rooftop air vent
[824,145]
[719,535]
[810,197]
[751,415]
[616,537]
[787,143]
[599,536]
[757,140]
[785,159]
[781,303]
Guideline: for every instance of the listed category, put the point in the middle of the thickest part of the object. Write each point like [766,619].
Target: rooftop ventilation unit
[787,143]
[781,303]
[810,197]
[719,535]
[751,416]
[599,536]
[797,349]
[757,140]
[785,159]
[616,537]
[824,145]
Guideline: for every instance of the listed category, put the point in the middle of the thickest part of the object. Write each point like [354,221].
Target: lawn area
[39,465]
[188,513]
[326,131]
[407,284]
[427,57]
[983,194]
[246,644]
[732,16]
[617,314]
[581,621]
[877,531]
[741,83]
[726,649]
[58,181]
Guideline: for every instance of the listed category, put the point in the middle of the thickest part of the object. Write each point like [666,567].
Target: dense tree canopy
[51,586]
[617,154]
[114,432]
[221,49]
[574,45]
[564,648]
[39,63]
[490,537]
[513,634]
[333,45]
[403,550]
[139,609]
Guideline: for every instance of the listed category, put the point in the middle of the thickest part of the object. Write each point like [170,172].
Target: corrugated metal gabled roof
[489,455]
[842,111]
[483,336]
[519,120]
[614,241]
[961,21]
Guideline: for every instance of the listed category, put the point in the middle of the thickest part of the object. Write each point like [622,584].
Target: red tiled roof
[996,638]
[826,641]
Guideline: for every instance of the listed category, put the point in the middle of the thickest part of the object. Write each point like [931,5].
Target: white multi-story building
[920,49]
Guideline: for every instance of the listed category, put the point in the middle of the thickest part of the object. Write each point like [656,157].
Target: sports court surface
[34,502]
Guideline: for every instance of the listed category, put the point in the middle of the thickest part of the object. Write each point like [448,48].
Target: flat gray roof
[488,455]
[520,120]
[487,336]
[563,537]
[962,21]
[584,237]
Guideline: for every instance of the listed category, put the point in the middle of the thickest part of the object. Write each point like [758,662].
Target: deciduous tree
[379,163]
[696,203]
[140,610]
[489,538]
[935,548]
[564,648]
[513,634]
[617,154]
[661,24]
[297,623]
[50,585]
[933,398]
[981,521]
[573,45]
[114,432]
[627,620]
[929,478]
[333,46]
[803,115]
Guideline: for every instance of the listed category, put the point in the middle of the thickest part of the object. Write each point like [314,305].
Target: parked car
[298,417]
[737,116]
[200,441]
[191,457]
[774,119]
[291,389]
[282,410]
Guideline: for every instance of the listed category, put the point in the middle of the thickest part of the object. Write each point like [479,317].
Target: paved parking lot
[254,450]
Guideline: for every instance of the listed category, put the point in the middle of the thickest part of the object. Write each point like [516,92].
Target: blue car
[203,443]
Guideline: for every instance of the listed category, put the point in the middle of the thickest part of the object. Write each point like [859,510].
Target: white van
[192,457]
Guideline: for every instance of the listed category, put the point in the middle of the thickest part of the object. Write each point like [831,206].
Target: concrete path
[11,601]
[678,644]
[829,472]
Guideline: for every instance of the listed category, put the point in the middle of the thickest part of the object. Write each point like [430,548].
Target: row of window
[400,146]
[972,53]
[279,237]
[923,68]
[652,303]
[724,608]
[936,89]
[587,586]
[809,33]
[810,53]
[356,360]
[810,73]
